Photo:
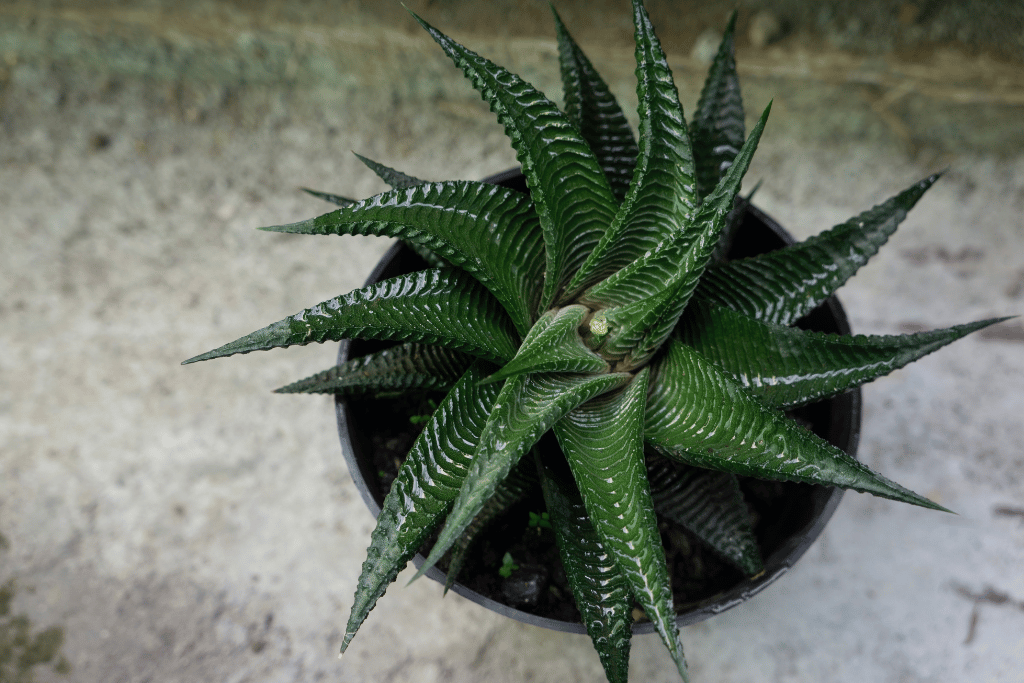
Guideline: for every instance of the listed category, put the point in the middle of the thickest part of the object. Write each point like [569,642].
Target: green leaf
[732,224]
[788,367]
[647,297]
[427,484]
[539,521]
[332,198]
[520,482]
[717,128]
[568,187]
[396,179]
[508,566]
[662,195]
[593,109]
[403,367]
[444,307]
[487,230]
[599,587]
[526,408]
[783,285]
[698,415]
[603,442]
[710,505]
[554,345]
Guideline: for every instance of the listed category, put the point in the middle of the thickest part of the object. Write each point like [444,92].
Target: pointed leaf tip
[296,228]
[396,179]
[590,105]
[328,197]
[730,26]
[717,125]
[782,285]
[429,29]
[386,310]
[935,506]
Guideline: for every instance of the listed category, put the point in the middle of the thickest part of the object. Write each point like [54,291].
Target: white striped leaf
[527,406]
[600,588]
[424,490]
[787,367]
[662,195]
[708,503]
[568,187]
[593,109]
[698,415]
[603,441]
[554,345]
[717,129]
[433,306]
[398,368]
[783,285]
[487,230]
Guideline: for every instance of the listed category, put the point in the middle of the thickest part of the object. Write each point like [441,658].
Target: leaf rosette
[599,306]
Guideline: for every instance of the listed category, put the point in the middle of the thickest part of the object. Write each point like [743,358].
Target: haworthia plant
[601,306]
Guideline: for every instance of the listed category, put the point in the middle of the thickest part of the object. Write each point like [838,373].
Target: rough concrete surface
[165,523]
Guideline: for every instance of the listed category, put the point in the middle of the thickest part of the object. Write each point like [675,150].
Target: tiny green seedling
[508,566]
[540,521]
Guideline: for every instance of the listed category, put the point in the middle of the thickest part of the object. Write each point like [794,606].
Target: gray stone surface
[185,524]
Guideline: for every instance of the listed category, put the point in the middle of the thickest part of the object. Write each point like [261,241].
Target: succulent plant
[600,306]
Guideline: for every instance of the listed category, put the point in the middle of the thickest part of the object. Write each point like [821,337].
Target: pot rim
[844,433]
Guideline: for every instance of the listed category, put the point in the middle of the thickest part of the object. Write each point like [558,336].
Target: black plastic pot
[837,420]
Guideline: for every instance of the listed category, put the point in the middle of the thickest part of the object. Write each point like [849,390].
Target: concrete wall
[184,524]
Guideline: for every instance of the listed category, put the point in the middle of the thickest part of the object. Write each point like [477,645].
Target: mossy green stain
[20,650]
[6,596]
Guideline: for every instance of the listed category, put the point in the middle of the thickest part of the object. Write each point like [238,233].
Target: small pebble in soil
[765,29]
[526,585]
